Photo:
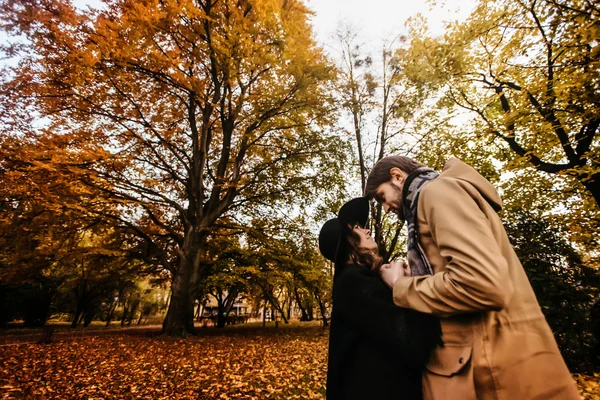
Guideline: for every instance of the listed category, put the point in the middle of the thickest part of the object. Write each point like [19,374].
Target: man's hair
[380,173]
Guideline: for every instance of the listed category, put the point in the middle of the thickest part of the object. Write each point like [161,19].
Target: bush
[565,288]
[30,302]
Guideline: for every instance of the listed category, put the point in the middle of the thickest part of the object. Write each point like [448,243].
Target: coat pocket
[449,360]
[449,374]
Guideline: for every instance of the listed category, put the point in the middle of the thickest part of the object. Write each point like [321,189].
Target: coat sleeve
[476,277]
[366,305]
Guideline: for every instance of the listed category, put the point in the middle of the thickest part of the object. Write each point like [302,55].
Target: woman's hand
[394,270]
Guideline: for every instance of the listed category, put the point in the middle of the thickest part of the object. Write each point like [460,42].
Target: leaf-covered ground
[589,385]
[240,363]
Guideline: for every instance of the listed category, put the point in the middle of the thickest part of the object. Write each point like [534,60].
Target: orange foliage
[171,116]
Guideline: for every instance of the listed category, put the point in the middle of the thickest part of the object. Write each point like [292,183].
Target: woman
[376,350]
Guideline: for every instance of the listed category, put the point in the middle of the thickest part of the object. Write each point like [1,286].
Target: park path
[16,338]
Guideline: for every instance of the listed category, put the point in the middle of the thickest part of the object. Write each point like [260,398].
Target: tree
[383,106]
[229,273]
[177,110]
[356,90]
[316,278]
[566,288]
[528,71]
[64,259]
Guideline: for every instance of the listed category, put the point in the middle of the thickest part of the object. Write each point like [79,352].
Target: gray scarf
[416,180]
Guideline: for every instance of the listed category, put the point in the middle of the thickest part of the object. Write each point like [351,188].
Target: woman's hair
[361,256]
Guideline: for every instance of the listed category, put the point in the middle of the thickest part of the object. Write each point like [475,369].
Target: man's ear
[398,174]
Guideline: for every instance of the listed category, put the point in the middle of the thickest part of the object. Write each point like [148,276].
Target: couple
[459,320]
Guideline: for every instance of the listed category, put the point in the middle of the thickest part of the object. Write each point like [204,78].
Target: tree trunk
[283,317]
[133,310]
[78,312]
[593,186]
[304,316]
[88,318]
[89,312]
[275,306]
[125,311]
[76,317]
[201,310]
[111,310]
[81,293]
[220,310]
[197,312]
[179,321]
[321,308]
[225,308]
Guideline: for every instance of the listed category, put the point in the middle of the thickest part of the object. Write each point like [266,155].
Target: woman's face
[366,241]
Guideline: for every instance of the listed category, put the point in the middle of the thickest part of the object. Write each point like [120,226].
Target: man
[497,343]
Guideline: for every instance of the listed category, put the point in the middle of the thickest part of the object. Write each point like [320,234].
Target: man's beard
[397,204]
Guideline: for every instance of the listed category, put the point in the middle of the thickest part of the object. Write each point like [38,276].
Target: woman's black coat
[376,350]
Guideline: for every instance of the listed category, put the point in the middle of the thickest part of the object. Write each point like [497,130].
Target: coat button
[461,360]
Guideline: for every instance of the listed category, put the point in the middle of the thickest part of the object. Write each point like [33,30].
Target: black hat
[354,212]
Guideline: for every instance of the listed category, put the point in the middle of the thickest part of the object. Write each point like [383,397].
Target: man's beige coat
[498,344]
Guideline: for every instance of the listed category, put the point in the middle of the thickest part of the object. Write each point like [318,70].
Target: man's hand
[394,270]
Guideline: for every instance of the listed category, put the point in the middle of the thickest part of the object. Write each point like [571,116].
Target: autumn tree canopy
[178,112]
[528,70]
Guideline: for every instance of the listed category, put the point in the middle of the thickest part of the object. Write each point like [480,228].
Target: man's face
[389,194]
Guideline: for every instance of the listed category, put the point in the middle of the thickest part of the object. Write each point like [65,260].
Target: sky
[377,20]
